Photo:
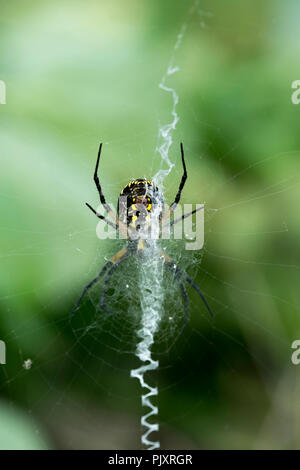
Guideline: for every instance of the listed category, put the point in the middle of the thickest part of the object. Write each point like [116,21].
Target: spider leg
[180,274]
[186,303]
[107,279]
[112,224]
[89,285]
[108,265]
[197,288]
[123,227]
[98,186]
[182,182]
[184,216]
[184,294]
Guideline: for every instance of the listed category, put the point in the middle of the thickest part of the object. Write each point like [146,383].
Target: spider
[138,200]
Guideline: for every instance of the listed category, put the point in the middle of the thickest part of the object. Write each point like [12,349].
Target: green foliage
[80,72]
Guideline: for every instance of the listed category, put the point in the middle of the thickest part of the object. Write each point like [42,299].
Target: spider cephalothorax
[140,205]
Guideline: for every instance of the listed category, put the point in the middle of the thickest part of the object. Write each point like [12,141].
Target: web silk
[151,273]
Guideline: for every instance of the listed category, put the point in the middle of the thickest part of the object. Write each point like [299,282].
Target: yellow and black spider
[138,199]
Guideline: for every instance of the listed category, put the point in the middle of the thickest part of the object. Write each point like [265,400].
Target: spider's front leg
[98,186]
[181,186]
[117,224]
[182,182]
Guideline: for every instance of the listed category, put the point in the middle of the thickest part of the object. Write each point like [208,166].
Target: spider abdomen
[137,203]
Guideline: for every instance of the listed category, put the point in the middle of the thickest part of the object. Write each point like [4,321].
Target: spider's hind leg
[105,288]
[179,275]
[89,285]
[170,265]
[113,263]
[118,259]
[186,303]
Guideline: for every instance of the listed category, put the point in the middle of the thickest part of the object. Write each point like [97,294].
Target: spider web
[71,377]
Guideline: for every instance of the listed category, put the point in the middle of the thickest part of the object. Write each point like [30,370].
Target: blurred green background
[82,72]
